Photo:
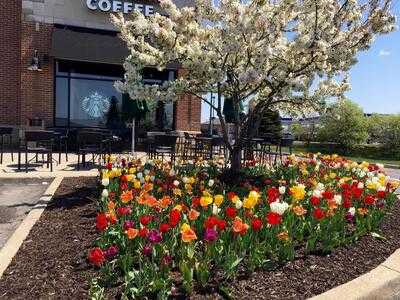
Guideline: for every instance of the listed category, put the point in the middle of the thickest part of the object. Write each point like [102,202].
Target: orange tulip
[148,186]
[332,204]
[283,236]
[165,202]
[239,227]
[193,214]
[111,205]
[126,196]
[151,201]
[188,233]
[299,210]
[362,211]
[112,217]
[132,233]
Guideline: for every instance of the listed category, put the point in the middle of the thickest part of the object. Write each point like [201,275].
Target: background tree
[344,123]
[270,125]
[286,55]
[385,129]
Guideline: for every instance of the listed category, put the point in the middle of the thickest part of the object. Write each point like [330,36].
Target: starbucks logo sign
[95,105]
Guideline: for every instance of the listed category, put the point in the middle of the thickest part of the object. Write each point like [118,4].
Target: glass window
[61,102]
[84,92]
[90,101]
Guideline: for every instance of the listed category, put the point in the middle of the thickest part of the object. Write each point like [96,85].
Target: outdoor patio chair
[90,142]
[188,147]
[37,142]
[286,142]
[61,136]
[161,146]
[203,147]
[6,134]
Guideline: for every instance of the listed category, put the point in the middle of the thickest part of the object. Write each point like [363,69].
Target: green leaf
[378,236]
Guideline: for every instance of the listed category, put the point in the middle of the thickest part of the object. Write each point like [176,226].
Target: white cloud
[384,53]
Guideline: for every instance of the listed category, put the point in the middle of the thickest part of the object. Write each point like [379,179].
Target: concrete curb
[15,241]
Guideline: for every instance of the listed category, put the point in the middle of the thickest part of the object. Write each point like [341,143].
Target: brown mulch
[51,264]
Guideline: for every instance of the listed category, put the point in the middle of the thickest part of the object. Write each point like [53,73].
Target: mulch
[51,263]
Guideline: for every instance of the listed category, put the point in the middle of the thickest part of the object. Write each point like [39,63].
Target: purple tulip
[129,224]
[155,236]
[111,252]
[349,217]
[380,203]
[147,250]
[166,260]
[210,235]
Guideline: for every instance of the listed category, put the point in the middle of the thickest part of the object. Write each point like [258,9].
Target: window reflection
[84,91]
[90,102]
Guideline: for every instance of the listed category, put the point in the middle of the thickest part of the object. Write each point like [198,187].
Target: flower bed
[164,230]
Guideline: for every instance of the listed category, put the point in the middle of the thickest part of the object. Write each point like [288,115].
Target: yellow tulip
[218,199]
[298,192]
[206,201]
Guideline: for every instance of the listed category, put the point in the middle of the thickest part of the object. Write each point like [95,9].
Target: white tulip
[105,182]
[352,211]
[338,199]
[282,190]
[279,207]
[238,204]
[215,210]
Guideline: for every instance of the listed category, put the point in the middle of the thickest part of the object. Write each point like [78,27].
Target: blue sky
[375,79]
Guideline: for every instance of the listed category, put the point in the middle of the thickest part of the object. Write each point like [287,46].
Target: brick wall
[187,111]
[37,96]
[10,48]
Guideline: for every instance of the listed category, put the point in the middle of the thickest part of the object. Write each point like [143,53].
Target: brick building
[60,59]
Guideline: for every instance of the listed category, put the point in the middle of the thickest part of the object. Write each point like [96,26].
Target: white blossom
[290,56]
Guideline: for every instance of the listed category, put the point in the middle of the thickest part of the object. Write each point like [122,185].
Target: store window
[84,92]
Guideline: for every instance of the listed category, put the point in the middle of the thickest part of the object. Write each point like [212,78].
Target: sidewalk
[9,168]
[17,198]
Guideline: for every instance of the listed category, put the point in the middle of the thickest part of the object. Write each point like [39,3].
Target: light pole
[211,114]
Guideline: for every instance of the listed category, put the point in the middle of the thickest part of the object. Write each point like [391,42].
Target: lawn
[301,149]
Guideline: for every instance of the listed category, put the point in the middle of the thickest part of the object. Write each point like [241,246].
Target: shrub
[343,123]
[386,130]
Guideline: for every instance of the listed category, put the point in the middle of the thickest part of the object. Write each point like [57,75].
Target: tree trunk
[236,159]
[133,138]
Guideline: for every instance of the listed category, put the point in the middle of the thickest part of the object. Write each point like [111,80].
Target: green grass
[297,149]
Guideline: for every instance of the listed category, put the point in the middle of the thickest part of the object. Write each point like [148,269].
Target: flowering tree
[286,55]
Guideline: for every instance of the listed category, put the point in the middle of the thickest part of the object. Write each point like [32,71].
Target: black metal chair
[6,133]
[90,142]
[61,136]
[161,146]
[203,147]
[43,141]
[286,142]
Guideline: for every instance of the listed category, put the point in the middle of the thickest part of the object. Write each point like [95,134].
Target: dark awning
[99,47]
